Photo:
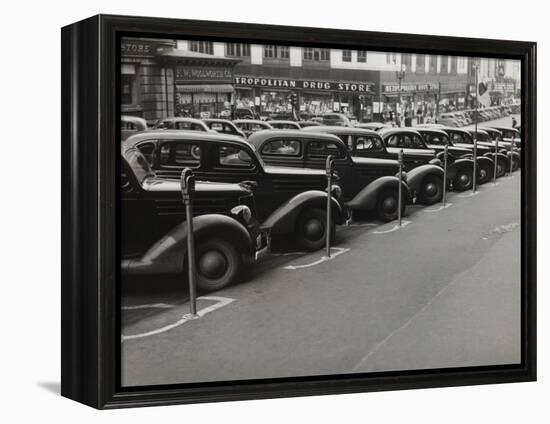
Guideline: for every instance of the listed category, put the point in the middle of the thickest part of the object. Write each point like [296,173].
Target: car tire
[310,230]
[484,174]
[218,264]
[431,190]
[386,205]
[502,167]
[463,179]
[515,164]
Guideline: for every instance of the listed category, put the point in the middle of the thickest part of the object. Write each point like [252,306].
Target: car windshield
[137,162]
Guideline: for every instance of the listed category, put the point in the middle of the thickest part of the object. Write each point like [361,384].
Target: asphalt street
[441,291]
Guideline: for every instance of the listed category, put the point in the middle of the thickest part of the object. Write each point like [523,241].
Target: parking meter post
[474,181]
[496,158]
[187,182]
[329,199]
[400,188]
[445,159]
[511,157]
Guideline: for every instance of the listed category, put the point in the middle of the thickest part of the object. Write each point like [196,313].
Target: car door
[415,152]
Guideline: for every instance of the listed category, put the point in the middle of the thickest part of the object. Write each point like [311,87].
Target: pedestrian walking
[514,122]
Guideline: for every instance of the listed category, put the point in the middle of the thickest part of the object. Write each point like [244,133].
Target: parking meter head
[187,181]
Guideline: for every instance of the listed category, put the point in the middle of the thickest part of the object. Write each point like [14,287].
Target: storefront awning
[205,88]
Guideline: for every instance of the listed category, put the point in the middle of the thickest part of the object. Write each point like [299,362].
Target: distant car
[284,125]
[336,119]
[425,179]
[245,113]
[130,125]
[367,184]
[304,124]
[154,233]
[448,119]
[510,134]
[224,126]
[505,157]
[250,126]
[290,202]
[180,123]
[374,126]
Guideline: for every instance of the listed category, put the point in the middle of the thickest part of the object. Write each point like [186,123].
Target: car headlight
[243,212]
[336,191]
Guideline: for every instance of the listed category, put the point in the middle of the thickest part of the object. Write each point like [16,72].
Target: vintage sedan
[250,126]
[374,126]
[224,126]
[333,118]
[425,179]
[180,123]
[367,184]
[130,125]
[449,119]
[154,231]
[291,202]
[510,134]
[462,138]
[509,158]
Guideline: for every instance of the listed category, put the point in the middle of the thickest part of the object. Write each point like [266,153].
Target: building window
[444,65]
[316,54]
[391,58]
[406,59]
[420,63]
[128,85]
[202,47]
[453,65]
[432,60]
[276,52]
[362,56]
[237,50]
[346,55]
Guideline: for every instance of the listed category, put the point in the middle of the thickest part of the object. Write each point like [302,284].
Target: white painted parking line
[470,194]
[362,225]
[337,252]
[288,254]
[439,208]
[148,306]
[221,301]
[395,228]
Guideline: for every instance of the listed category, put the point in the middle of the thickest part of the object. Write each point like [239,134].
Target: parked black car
[154,233]
[289,201]
[504,156]
[425,179]
[462,138]
[367,184]
[223,126]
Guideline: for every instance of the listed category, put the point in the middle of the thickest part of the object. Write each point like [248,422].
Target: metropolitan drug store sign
[360,87]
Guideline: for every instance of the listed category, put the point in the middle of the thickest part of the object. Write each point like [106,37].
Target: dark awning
[205,88]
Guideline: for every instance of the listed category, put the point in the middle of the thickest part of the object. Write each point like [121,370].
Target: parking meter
[187,181]
[400,186]
[496,158]
[445,162]
[328,168]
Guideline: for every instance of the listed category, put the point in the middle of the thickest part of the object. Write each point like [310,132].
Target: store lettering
[186,74]
[306,85]
[395,88]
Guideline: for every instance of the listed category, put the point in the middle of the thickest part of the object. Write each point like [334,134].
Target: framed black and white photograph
[254,211]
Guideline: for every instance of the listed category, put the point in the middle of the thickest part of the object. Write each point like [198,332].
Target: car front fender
[168,254]
[485,161]
[457,165]
[283,219]
[366,199]
[417,175]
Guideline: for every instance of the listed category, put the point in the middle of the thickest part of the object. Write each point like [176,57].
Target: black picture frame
[90,124]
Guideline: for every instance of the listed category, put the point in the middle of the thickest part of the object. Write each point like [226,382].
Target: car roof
[217,120]
[340,130]
[489,129]
[434,130]
[461,130]
[282,121]
[251,121]
[505,128]
[211,137]
[260,137]
[390,131]
[181,119]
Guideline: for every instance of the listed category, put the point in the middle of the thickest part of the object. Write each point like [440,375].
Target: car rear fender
[501,156]
[484,161]
[168,254]
[283,219]
[417,175]
[458,164]
[366,199]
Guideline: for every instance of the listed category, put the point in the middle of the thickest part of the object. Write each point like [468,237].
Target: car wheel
[463,179]
[501,167]
[431,190]
[386,205]
[484,174]
[217,264]
[310,231]
[515,164]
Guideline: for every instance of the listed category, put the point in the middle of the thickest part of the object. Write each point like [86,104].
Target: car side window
[282,147]
[457,138]
[229,156]
[318,149]
[180,153]
[416,142]
[368,143]
[393,141]
[148,151]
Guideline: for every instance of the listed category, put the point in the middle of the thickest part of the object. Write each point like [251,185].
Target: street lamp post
[400,76]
